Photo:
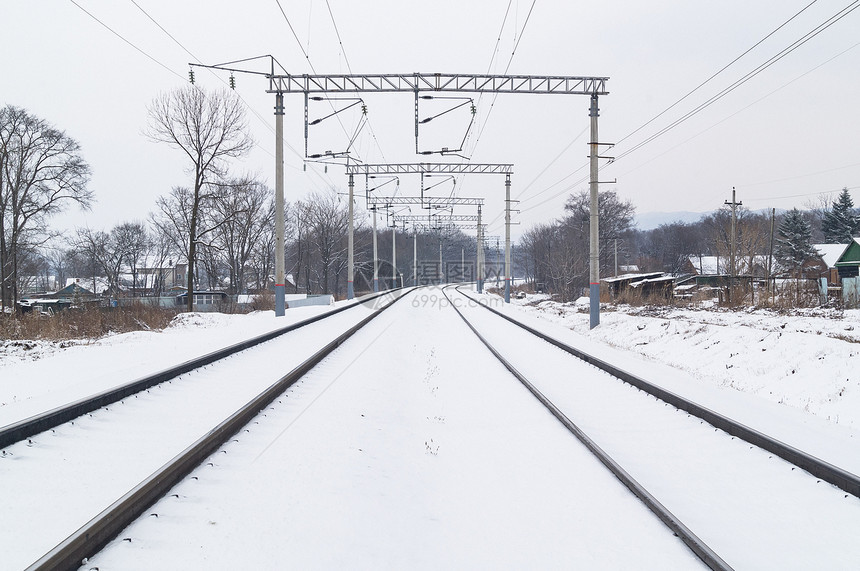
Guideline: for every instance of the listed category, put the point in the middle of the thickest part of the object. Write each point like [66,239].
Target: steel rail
[22,429]
[98,532]
[819,468]
[690,539]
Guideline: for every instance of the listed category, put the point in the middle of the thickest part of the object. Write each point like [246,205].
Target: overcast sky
[782,138]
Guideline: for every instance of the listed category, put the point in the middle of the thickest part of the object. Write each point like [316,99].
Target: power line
[802,195]
[786,51]
[298,41]
[757,101]
[249,107]
[792,47]
[507,67]
[499,38]
[337,33]
[541,173]
[721,70]
[120,36]
[349,67]
[310,64]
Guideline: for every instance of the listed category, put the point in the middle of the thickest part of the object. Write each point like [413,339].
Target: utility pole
[415,257]
[350,272]
[770,256]
[507,238]
[734,204]
[441,274]
[394,256]
[480,260]
[593,235]
[498,263]
[616,256]
[375,256]
[280,279]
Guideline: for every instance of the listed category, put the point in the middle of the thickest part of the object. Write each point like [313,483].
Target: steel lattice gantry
[445,224]
[441,218]
[416,83]
[435,169]
[429,201]
[438,82]
[428,168]
[425,222]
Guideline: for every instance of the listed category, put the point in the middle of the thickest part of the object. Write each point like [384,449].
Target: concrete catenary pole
[480,260]
[415,256]
[498,264]
[594,233]
[350,271]
[375,256]
[441,274]
[280,279]
[394,256]
[507,238]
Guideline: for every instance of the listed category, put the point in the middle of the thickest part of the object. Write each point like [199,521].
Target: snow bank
[808,359]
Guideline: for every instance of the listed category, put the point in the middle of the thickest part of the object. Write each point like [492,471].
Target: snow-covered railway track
[70,475]
[815,466]
[50,419]
[736,500]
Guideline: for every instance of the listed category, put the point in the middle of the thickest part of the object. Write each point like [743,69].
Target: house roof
[102,284]
[632,277]
[73,289]
[657,280]
[719,265]
[851,255]
[830,253]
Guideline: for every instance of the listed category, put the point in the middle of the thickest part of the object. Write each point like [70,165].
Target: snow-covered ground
[36,376]
[428,457]
[806,359]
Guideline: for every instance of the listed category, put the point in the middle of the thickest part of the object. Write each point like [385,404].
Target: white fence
[851,292]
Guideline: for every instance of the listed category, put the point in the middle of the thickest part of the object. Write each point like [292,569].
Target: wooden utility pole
[770,256]
[732,268]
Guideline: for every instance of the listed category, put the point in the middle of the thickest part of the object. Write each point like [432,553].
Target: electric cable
[714,75]
[120,36]
[757,101]
[247,106]
[310,64]
[507,67]
[349,67]
[792,47]
[780,55]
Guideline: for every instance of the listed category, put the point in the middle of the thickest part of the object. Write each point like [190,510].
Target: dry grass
[84,323]
[263,302]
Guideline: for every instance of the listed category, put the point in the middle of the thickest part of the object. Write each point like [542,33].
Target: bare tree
[209,127]
[241,213]
[102,250]
[41,172]
[132,241]
[616,223]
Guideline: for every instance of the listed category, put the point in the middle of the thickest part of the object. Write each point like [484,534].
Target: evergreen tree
[841,223]
[794,246]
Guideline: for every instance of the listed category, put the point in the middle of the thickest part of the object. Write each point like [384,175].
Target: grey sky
[783,138]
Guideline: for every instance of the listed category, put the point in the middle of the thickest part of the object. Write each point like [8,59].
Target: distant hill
[651,220]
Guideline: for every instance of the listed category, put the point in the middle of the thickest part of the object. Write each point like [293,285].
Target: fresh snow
[440,465]
[808,359]
[409,448]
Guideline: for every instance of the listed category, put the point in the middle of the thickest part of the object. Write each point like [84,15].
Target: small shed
[848,264]
[203,300]
[618,284]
